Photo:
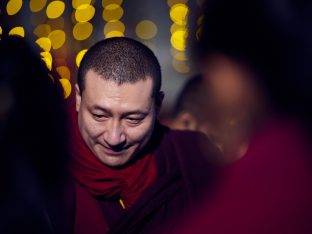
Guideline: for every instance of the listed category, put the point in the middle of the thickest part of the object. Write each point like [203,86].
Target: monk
[130,173]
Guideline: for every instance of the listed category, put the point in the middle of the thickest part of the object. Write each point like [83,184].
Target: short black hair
[122,60]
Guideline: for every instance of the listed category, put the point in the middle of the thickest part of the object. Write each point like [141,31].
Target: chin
[114,161]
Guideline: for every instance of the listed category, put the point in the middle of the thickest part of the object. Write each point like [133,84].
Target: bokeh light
[14,6]
[44,43]
[37,5]
[57,38]
[77,3]
[46,54]
[42,30]
[66,87]
[0,30]
[47,58]
[17,31]
[80,56]
[175,27]
[146,29]
[181,56]
[82,31]
[55,9]
[64,72]
[114,34]
[84,13]
[180,66]
[112,12]
[105,3]
[114,26]
[173,2]
[178,39]
[178,13]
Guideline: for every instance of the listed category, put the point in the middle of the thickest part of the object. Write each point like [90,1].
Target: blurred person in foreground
[249,52]
[196,110]
[131,174]
[33,149]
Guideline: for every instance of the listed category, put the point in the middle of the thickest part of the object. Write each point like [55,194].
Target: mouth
[111,152]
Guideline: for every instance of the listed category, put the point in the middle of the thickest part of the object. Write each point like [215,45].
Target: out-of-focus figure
[199,108]
[191,107]
[33,150]
[249,53]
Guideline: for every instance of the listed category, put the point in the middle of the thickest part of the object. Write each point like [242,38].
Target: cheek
[90,128]
[141,132]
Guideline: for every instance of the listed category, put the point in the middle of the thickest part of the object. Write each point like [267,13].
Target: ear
[78,98]
[187,121]
[158,101]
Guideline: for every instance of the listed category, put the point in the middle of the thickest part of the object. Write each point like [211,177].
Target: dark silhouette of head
[32,139]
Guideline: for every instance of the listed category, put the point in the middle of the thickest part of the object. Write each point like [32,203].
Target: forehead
[107,92]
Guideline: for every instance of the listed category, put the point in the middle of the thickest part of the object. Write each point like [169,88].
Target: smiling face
[115,121]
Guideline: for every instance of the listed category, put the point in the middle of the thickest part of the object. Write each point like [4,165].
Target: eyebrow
[136,112]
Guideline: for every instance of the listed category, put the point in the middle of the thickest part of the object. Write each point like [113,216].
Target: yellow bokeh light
[82,31]
[46,54]
[105,3]
[64,72]
[80,56]
[175,27]
[146,29]
[84,13]
[77,3]
[178,13]
[114,26]
[55,9]
[42,30]
[57,38]
[66,87]
[114,34]
[112,12]
[180,66]
[181,56]
[48,63]
[178,39]
[44,43]
[14,6]
[47,59]
[17,31]
[0,30]
[173,2]
[37,5]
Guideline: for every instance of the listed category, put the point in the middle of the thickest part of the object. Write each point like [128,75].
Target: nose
[114,135]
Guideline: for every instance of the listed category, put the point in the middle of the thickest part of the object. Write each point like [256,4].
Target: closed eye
[134,120]
[99,117]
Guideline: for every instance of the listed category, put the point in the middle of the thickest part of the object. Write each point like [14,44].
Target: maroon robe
[183,173]
[268,191]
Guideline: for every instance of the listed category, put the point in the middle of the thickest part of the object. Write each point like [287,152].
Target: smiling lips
[111,152]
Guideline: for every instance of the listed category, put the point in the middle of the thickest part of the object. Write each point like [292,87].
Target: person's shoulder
[193,143]
[186,135]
